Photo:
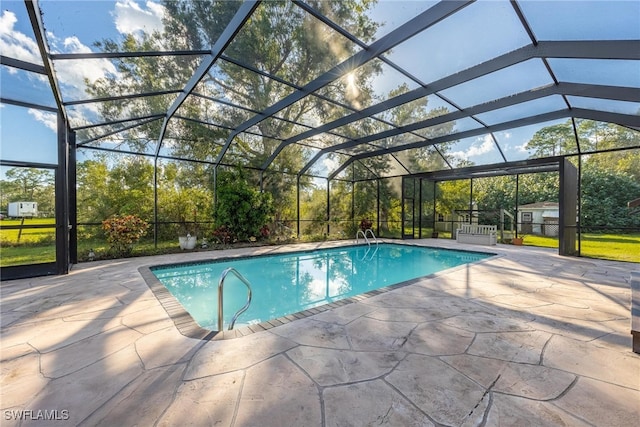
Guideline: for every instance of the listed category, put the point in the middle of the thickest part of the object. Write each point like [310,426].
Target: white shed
[540,218]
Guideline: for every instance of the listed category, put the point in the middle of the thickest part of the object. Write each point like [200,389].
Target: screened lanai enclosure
[242,121]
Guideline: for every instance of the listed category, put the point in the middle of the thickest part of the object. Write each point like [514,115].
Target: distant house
[540,218]
[452,221]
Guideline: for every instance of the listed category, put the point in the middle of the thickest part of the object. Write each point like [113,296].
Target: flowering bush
[223,235]
[366,224]
[123,231]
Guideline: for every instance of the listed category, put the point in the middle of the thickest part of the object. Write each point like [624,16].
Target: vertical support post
[328,216]
[73,199]
[635,310]
[420,208]
[517,203]
[378,206]
[579,216]
[298,206]
[434,206]
[215,190]
[568,208]
[402,208]
[62,198]
[470,200]
[353,203]
[155,202]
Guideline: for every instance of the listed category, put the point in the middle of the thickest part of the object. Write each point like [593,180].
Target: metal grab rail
[363,235]
[220,297]
[372,235]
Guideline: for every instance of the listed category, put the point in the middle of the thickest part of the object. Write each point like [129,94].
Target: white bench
[477,234]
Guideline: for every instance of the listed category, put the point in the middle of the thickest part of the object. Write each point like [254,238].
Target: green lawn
[28,235]
[615,247]
[29,245]
[38,245]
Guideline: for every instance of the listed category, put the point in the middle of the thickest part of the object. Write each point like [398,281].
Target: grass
[29,245]
[27,235]
[614,247]
[38,245]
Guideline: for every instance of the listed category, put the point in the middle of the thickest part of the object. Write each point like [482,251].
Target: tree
[280,39]
[553,141]
[604,199]
[607,136]
[241,208]
[30,184]
[107,187]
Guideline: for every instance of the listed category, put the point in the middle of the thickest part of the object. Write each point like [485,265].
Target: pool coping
[188,327]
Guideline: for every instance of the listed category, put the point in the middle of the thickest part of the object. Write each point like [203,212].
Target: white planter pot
[187,242]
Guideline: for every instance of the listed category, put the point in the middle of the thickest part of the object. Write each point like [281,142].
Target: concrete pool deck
[525,338]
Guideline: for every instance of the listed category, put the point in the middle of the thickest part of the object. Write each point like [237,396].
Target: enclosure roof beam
[22,65]
[575,89]
[35,17]
[239,19]
[115,55]
[606,49]
[622,119]
[116,131]
[121,97]
[115,122]
[25,104]
[421,22]
[546,164]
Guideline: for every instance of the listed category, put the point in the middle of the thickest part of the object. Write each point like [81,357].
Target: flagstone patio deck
[525,338]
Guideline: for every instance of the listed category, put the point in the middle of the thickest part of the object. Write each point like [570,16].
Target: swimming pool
[292,282]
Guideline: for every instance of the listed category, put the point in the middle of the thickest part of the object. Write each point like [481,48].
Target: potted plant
[187,242]
[518,241]
[187,237]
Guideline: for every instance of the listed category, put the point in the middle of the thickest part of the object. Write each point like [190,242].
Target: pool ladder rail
[220,297]
[364,235]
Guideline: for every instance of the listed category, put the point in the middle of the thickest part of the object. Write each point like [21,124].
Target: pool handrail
[364,234]
[372,235]
[220,297]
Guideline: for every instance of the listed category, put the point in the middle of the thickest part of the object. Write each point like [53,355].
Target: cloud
[330,163]
[15,44]
[131,18]
[73,73]
[50,120]
[480,146]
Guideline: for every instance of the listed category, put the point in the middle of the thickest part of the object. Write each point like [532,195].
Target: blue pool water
[292,282]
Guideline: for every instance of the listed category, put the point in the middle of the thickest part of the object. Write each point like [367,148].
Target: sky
[70,29]
[73,27]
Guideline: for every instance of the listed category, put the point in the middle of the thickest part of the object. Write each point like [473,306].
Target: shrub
[242,208]
[366,224]
[122,232]
[223,235]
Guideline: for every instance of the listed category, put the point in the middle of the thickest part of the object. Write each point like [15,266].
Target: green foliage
[553,141]
[452,195]
[115,186]
[241,206]
[28,184]
[604,199]
[123,232]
